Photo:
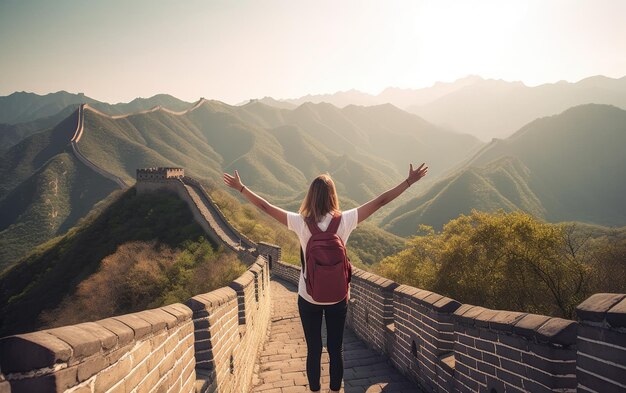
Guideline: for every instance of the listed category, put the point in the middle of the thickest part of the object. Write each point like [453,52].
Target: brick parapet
[270,251]
[286,271]
[245,241]
[370,314]
[506,350]
[152,348]
[202,345]
[446,346]
[424,330]
[601,342]
[230,328]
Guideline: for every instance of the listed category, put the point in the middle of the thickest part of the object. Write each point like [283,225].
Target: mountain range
[484,108]
[566,167]
[277,147]
[45,186]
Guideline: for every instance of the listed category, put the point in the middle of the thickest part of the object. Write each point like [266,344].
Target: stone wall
[139,352]
[208,344]
[601,343]
[216,227]
[87,162]
[422,339]
[244,240]
[271,252]
[445,346]
[230,328]
[159,173]
[503,351]
[286,271]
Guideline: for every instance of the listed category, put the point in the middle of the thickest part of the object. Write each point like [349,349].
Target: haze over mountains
[278,147]
[485,108]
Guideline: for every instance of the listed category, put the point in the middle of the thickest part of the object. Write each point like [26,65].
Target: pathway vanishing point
[281,366]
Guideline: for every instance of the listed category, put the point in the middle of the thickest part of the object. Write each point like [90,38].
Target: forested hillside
[568,167]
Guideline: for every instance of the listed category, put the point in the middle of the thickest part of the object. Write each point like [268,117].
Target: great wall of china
[80,127]
[74,142]
[241,338]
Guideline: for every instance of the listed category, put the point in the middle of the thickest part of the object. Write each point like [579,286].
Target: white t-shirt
[295,222]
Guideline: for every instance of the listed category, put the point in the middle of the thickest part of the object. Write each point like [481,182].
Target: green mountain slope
[25,158]
[500,185]
[44,190]
[568,167]
[22,107]
[277,151]
[576,160]
[47,204]
[23,114]
[55,270]
[12,134]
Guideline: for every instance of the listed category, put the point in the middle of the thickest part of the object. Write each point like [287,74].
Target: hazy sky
[235,50]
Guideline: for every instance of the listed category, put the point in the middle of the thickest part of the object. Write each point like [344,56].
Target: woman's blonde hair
[320,199]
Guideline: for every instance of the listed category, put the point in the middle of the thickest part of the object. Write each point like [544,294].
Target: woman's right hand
[369,208]
[415,175]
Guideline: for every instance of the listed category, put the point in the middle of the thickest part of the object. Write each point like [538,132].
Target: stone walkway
[281,367]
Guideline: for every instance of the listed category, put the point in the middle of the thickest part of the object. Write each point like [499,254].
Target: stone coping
[211,299]
[71,344]
[385,284]
[432,300]
[607,308]
[551,330]
[242,281]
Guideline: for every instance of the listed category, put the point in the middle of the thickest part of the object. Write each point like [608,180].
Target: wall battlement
[208,344]
[446,346]
[159,173]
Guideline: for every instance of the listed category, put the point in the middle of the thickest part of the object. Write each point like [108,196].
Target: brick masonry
[230,326]
[133,352]
[601,343]
[208,344]
[445,346]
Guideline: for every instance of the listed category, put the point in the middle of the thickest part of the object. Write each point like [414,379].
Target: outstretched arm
[369,208]
[235,182]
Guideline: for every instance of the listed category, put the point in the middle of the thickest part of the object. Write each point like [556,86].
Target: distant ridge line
[80,127]
[153,109]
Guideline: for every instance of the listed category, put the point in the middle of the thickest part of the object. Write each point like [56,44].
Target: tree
[499,260]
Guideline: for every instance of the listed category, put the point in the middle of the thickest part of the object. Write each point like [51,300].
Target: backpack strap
[334,223]
[313,228]
[332,227]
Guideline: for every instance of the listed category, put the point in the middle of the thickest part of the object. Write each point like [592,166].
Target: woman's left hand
[416,174]
[233,181]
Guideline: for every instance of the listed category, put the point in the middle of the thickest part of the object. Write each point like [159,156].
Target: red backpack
[328,269]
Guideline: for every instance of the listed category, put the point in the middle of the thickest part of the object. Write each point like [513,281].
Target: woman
[320,205]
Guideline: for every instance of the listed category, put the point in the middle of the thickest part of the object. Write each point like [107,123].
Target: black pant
[311,317]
